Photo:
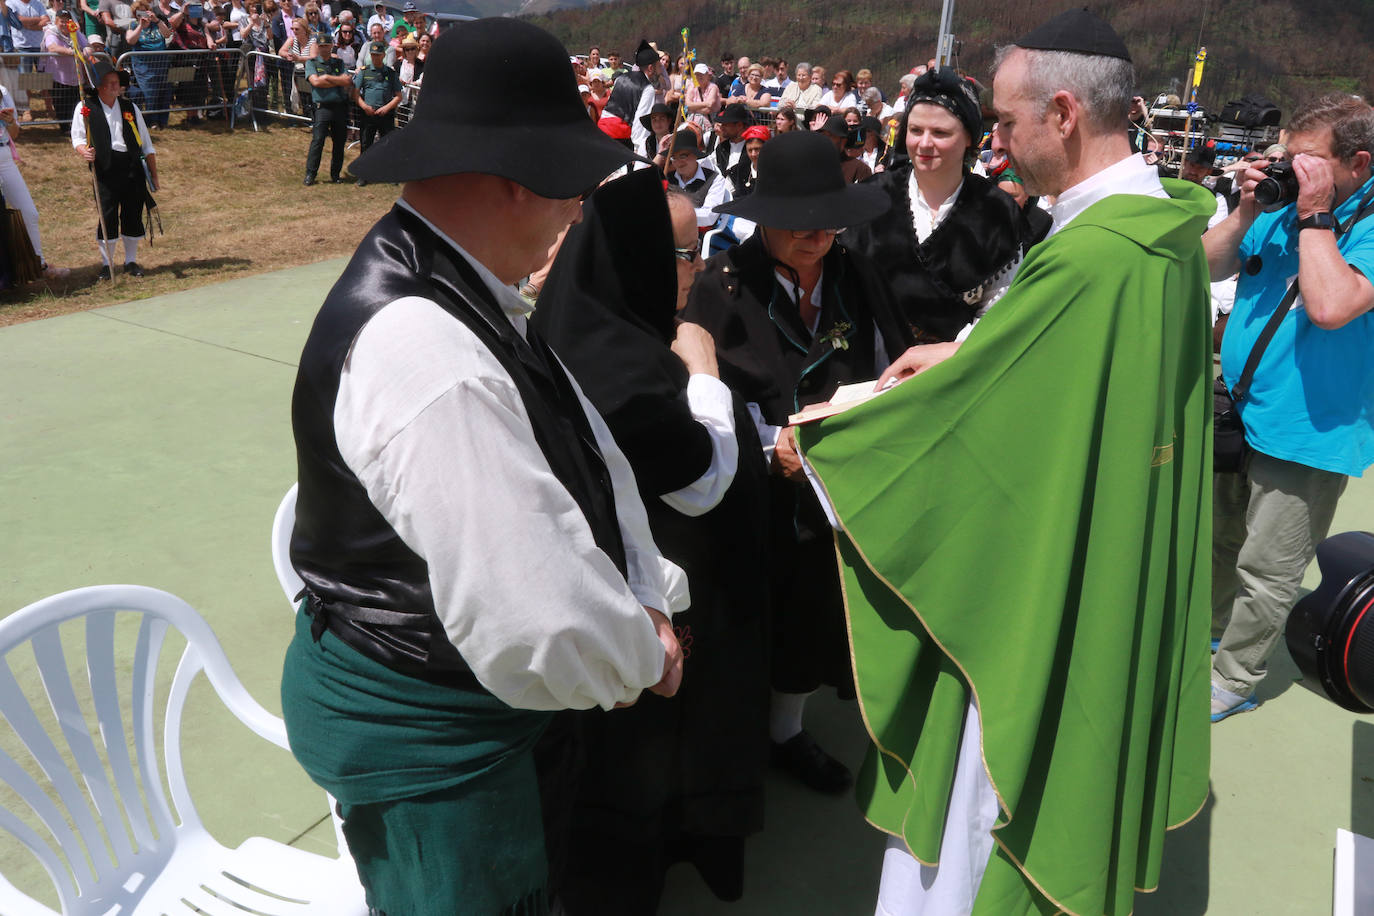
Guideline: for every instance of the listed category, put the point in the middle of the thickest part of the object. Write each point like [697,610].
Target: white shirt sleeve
[655,582]
[711,406]
[434,428]
[768,434]
[78,127]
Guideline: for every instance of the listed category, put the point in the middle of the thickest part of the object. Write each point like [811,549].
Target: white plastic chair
[282,524]
[114,841]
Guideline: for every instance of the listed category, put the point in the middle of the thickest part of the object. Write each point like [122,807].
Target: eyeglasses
[688,254]
[808,233]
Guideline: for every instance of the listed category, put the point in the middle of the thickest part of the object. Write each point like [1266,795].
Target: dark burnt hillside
[1286,49]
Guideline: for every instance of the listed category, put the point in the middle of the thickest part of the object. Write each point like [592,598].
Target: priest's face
[1030,129]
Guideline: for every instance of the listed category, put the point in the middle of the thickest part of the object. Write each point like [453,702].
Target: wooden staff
[84,71]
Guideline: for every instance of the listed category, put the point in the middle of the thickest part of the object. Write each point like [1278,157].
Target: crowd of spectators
[263,45]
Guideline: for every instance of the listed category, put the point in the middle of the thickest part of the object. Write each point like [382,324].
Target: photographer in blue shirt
[1309,411]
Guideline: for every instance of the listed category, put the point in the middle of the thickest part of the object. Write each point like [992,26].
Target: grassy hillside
[1285,49]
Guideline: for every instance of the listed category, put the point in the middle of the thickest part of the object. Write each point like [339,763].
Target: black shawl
[937,285]
[675,778]
[608,310]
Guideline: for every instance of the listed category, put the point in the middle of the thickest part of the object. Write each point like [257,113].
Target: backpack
[1251,111]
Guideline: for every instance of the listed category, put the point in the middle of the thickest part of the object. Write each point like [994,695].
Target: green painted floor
[150,442]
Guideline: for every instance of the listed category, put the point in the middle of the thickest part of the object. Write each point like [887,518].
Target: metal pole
[944,48]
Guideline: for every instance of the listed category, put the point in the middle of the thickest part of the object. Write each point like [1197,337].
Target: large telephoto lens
[1330,633]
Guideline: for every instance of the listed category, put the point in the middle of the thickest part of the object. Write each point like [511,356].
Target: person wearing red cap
[745,173]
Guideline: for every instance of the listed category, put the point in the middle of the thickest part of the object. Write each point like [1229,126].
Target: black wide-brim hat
[535,133]
[801,187]
[659,108]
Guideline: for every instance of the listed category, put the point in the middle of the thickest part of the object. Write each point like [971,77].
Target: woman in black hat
[794,316]
[950,244]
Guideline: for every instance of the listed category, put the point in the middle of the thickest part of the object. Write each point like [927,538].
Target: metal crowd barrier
[31,80]
[182,81]
[270,79]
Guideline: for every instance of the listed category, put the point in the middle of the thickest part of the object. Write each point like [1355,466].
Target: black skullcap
[944,86]
[645,54]
[1078,31]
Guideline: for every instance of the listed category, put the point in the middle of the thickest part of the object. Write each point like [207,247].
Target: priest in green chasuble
[1024,532]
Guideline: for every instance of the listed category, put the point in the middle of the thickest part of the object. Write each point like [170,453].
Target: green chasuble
[1029,524]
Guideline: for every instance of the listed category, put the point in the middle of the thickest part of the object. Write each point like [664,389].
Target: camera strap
[1271,328]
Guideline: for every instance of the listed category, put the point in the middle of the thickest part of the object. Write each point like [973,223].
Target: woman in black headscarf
[682,778]
[950,245]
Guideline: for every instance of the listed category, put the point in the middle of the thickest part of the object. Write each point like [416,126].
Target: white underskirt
[909,888]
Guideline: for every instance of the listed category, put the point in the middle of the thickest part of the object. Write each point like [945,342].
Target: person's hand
[7,115]
[1247,208]
[44,21]
[664,142]
[1316,184]
[786,459]
[915,361]
[672,654]
[86,152]
[695,346]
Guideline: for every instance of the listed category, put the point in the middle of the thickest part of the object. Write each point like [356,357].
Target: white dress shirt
[436,431]
[113,118]
[1131,175]
[717,194]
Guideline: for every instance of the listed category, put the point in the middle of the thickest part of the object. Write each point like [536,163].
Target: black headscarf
[609,310]
[944,86]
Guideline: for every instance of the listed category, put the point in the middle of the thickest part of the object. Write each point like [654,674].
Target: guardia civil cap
[1078,31]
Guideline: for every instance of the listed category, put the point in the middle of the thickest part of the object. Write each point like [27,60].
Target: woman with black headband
[950,245]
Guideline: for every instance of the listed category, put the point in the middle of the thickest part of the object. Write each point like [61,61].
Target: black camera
[855,137]
[1330,633]
[1279,188]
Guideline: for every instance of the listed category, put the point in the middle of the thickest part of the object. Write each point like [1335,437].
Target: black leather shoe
[336,180]
[801,756]
[362,182]
[309,180]
[132,269]
[104,273]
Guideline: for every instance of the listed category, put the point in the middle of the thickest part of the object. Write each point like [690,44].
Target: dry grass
[232,204]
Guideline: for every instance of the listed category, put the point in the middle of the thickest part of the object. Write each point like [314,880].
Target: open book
[845,397]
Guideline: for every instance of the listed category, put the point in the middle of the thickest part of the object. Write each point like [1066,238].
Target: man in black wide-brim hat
[475,551]
[795,316]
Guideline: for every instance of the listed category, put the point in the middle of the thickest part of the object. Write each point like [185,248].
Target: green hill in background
[1288,50]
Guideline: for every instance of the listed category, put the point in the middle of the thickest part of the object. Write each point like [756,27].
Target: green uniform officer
[377,89]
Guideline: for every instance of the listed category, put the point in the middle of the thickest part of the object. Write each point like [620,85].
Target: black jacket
[936,285]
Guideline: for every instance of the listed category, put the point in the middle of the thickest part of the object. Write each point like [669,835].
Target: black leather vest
[99,132]
[363,582]
[625,96]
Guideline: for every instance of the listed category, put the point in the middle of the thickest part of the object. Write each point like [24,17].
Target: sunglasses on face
[808,233]
[688,254]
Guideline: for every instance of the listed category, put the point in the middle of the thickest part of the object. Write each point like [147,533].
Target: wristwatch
[1322,220]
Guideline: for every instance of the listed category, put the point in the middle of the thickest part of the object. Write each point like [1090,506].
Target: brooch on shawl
[971,296]
[836,336]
